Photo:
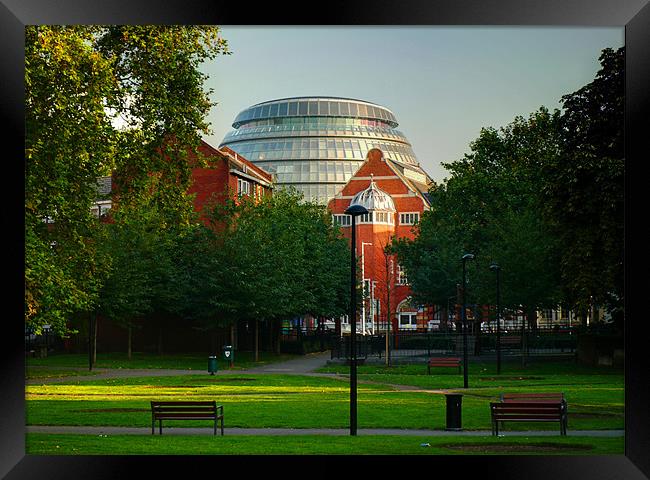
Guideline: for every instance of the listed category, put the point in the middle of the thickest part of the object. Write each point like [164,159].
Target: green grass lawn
[55,372]
[310,402]
[67,444]
[595,398]
[189,361]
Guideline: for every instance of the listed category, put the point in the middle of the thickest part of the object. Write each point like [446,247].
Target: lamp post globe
[354,210]
[467,256]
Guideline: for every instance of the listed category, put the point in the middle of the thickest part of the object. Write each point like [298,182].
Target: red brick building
[395,196]
[227,174]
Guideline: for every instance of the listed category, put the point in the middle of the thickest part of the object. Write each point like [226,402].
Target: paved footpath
[299,366]
[304,365]
[312,431]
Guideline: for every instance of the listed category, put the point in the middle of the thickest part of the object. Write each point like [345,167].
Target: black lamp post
[46,329]
[467,256]
[496,268]
[354,211]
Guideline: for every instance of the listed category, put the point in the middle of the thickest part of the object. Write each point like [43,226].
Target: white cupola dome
[374,199]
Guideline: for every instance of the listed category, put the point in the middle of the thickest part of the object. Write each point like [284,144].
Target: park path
[298,366]
[310,431]
[305,365]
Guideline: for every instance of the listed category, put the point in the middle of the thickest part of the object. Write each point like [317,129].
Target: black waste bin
[454,410]
[212,364]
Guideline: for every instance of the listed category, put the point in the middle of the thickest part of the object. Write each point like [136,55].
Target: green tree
[280,258]
[583,188]
[123,99]
[68,144]
[127,294]
[162,105]
[490,206]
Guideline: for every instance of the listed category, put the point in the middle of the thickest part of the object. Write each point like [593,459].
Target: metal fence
[413,345]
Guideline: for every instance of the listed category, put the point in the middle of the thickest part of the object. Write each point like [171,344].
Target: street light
[467,256]
[46,329]
[354,211]
[496,268]
[363,281]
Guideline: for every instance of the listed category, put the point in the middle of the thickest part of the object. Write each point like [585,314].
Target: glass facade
[316,144]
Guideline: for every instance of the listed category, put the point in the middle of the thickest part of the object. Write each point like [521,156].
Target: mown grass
[54,372]
[72,444]
[139,360]
[292,401]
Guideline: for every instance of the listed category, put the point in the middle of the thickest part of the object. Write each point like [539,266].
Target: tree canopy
[79,80]
[542,197]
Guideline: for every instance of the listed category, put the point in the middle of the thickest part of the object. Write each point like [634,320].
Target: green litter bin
[212,365]
[228,353]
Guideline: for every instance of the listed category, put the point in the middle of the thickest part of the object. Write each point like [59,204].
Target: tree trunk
[321,332]
[278,326]
[90,340]
[532,320]
[95,341]
[129,343]
[388,325]
[478,317]
[524,339]
[458,309]
[257,340]
[160,341]
[388,312]
[232,339]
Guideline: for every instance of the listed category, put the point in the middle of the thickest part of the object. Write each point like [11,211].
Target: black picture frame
[633,14]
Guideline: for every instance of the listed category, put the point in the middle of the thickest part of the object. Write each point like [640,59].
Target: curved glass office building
[317,143]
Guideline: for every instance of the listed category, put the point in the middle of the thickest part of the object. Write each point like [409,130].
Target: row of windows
[379,217]
[312,122]
[376,217]
[408,321]
[314,107]
[410,218]
[320,166]
[285,131]
[342,220]
[320,193]
[338,155]
[401,276]
[316,144]
[322,155]
[313,177]
[396,152]
[244,187]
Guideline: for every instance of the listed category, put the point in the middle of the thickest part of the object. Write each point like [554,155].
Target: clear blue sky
[442,83]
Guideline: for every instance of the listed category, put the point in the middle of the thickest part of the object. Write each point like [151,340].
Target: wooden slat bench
[443,362]
[510,341]
[186,411]
[532,397]
[528,411]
